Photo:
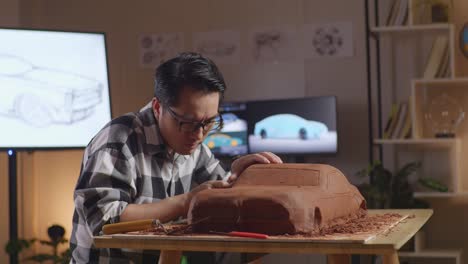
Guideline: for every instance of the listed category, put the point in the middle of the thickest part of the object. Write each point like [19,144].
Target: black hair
[187,69]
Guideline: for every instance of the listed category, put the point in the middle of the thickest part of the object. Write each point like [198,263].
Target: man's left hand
[240,164]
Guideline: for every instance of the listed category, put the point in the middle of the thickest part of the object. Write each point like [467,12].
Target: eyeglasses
[213,124]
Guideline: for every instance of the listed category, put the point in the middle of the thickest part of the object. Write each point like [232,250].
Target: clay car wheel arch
[32,110]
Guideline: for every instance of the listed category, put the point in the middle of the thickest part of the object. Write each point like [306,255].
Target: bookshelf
[420,88]
[423,90]
[447,256]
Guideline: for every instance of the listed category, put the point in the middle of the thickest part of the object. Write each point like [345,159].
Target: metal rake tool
[184,228]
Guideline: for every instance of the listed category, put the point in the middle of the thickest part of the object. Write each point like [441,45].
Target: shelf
[436,28]
[425,142]
[441,81]
[424,91]
[437,253]
[440,194]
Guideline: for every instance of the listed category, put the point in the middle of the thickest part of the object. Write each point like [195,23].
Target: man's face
[192,107]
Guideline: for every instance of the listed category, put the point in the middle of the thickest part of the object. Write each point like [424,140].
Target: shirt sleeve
[208,167]
[105,187]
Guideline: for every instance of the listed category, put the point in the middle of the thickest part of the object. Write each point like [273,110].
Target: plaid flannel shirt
[128,163]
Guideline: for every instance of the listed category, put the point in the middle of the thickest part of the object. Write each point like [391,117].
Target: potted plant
[56,234]
[393,189]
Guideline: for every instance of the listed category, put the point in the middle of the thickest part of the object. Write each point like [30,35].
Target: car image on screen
[283,126]
[233,123]
[218,140]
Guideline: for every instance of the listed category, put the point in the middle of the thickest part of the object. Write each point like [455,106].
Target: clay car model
[278,199]
[217,140]
[284,126]
[41,96]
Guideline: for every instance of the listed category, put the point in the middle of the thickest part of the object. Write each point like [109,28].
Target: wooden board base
[338,238]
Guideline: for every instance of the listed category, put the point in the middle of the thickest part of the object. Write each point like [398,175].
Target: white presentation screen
[54,89]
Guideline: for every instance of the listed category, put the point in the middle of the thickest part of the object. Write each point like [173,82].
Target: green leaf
[368,171]
[18,245]
[433,184]
[420,204]
[47,243]
[65,256]
[388,189]
[408,169]
[42,258]
[363,173]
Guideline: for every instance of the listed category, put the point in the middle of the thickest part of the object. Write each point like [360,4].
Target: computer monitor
[231,140]
[293,126]
[54,88]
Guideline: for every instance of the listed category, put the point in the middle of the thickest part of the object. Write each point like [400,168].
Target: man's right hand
[170,208]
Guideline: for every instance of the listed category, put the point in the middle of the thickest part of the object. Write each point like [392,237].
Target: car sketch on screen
[289,126]
[42,96]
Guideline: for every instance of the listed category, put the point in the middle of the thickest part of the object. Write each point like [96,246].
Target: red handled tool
[241,234]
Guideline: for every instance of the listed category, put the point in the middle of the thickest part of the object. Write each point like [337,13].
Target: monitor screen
[231,140]
[293,126]
[54,88]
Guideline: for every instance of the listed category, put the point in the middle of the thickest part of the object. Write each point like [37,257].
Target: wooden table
[386,245]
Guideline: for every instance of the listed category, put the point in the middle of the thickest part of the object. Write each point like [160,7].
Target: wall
[45,195]
[131,86]
[9,17]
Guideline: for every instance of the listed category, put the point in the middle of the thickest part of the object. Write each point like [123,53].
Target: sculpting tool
[184,228]
[130,226]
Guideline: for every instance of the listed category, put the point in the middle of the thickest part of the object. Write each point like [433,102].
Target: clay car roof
[324,176]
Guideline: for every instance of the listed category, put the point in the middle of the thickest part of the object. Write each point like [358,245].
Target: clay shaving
[363,223]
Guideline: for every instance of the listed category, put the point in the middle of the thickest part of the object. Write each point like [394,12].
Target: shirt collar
[155,144]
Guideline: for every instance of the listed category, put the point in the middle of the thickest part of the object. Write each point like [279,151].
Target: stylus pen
[241,234]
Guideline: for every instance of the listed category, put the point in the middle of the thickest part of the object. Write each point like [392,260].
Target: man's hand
[204,186]
[169,208]
[240,164]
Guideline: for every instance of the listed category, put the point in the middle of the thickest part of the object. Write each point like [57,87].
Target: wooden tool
[129,226]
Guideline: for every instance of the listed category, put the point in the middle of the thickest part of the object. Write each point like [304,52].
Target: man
[150,164]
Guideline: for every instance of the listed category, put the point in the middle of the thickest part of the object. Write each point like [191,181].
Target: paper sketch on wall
[220,46]
[41,96]
[328,40]
[273,45]
[157,48]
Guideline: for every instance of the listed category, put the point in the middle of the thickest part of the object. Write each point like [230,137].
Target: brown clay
[279,199]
